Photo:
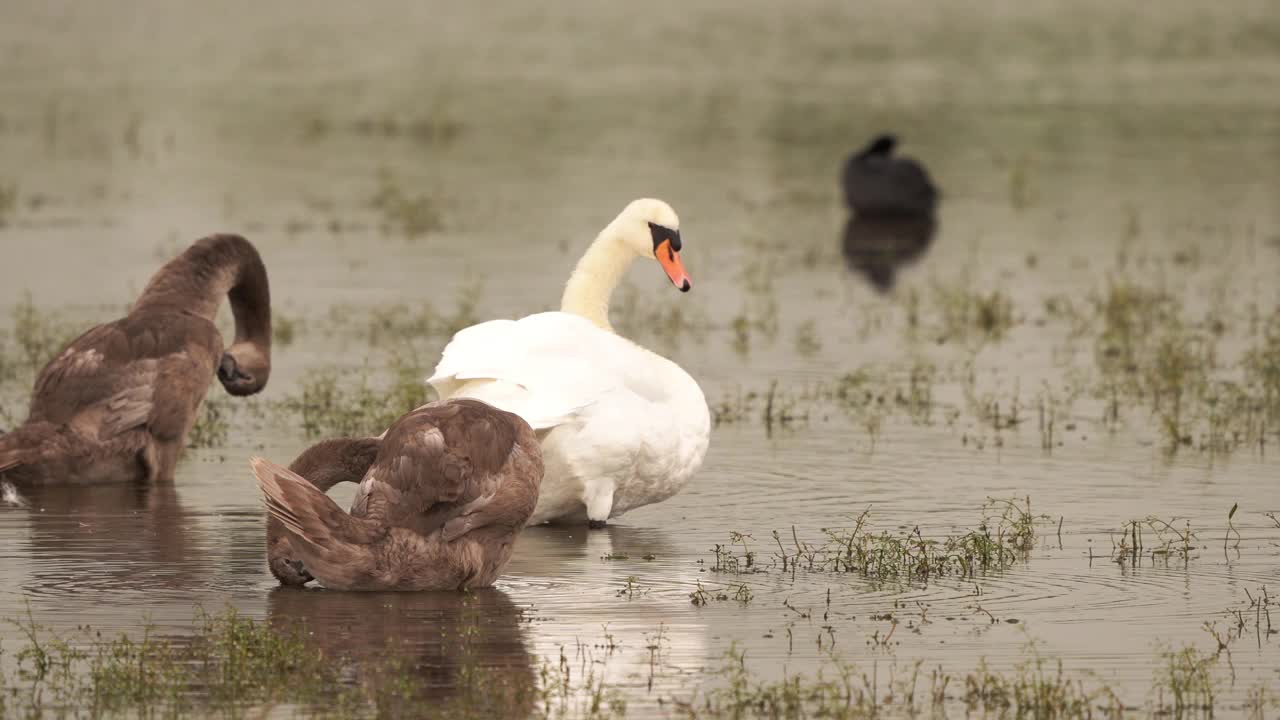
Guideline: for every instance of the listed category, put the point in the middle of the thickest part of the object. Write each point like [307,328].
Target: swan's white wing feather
[545,368]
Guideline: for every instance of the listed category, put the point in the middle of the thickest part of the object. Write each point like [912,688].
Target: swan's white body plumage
[621,426]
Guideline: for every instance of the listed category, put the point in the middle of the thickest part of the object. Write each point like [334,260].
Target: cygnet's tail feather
[331,544]
[306,511]
[23,445]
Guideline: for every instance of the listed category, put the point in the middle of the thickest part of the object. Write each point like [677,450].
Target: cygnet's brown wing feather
[324,465]
[433,462]
[342,551]
[143,370]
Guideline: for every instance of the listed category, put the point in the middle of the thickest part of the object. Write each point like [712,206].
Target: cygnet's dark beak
[237,381]
[229,370]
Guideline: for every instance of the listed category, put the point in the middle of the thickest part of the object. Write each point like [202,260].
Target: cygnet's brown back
[435,460]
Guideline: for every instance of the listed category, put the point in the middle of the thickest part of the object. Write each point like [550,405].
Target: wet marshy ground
[1093,324]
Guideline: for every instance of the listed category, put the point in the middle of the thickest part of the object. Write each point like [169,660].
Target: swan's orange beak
[670,261]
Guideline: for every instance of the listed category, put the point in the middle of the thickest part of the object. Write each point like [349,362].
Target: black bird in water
[877,182]
[893,203]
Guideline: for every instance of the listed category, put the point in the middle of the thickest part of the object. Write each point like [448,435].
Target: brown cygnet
[439,507]
[117,403]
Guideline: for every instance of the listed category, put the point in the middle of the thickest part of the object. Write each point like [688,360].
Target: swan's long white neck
[594,279]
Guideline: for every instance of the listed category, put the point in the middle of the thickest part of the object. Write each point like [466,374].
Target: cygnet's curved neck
[594,279]
[214,267]
[196,281]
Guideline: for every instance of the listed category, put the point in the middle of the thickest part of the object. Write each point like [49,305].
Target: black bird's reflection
[876,246]
[463,648]
[893,203]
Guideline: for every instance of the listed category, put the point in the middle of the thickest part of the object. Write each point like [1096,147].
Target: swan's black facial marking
[666,250]
[661,233]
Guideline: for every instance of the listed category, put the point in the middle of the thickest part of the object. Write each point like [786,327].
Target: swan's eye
[662,233]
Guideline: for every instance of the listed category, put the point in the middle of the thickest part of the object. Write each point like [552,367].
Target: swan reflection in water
[877,246]
[460,649]
[590,607]
[557,551]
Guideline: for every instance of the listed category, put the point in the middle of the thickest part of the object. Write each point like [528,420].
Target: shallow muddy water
[421,154]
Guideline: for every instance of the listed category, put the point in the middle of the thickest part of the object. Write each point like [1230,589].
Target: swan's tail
[333,546]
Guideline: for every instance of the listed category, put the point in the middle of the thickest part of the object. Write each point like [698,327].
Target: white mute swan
[620,426]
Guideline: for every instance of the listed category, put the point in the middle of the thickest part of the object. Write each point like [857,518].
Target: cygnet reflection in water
[123,537]
[467,651]
[877,246]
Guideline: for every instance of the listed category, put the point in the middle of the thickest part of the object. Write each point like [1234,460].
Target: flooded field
[1038,475]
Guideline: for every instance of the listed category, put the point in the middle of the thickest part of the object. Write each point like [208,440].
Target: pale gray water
[1071,146]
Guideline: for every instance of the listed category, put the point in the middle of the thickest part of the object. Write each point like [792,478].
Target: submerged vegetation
[233,666]
[1156,539]
[1037,688]
[1262,370]
[8,201]
[1006,533]
[411,215]
[639,315]
[335,404]
[212,424]
[1209,383]
[1149,353]
[965,314]
[35,338]
[398,325]
[1154,367]
[432,126]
